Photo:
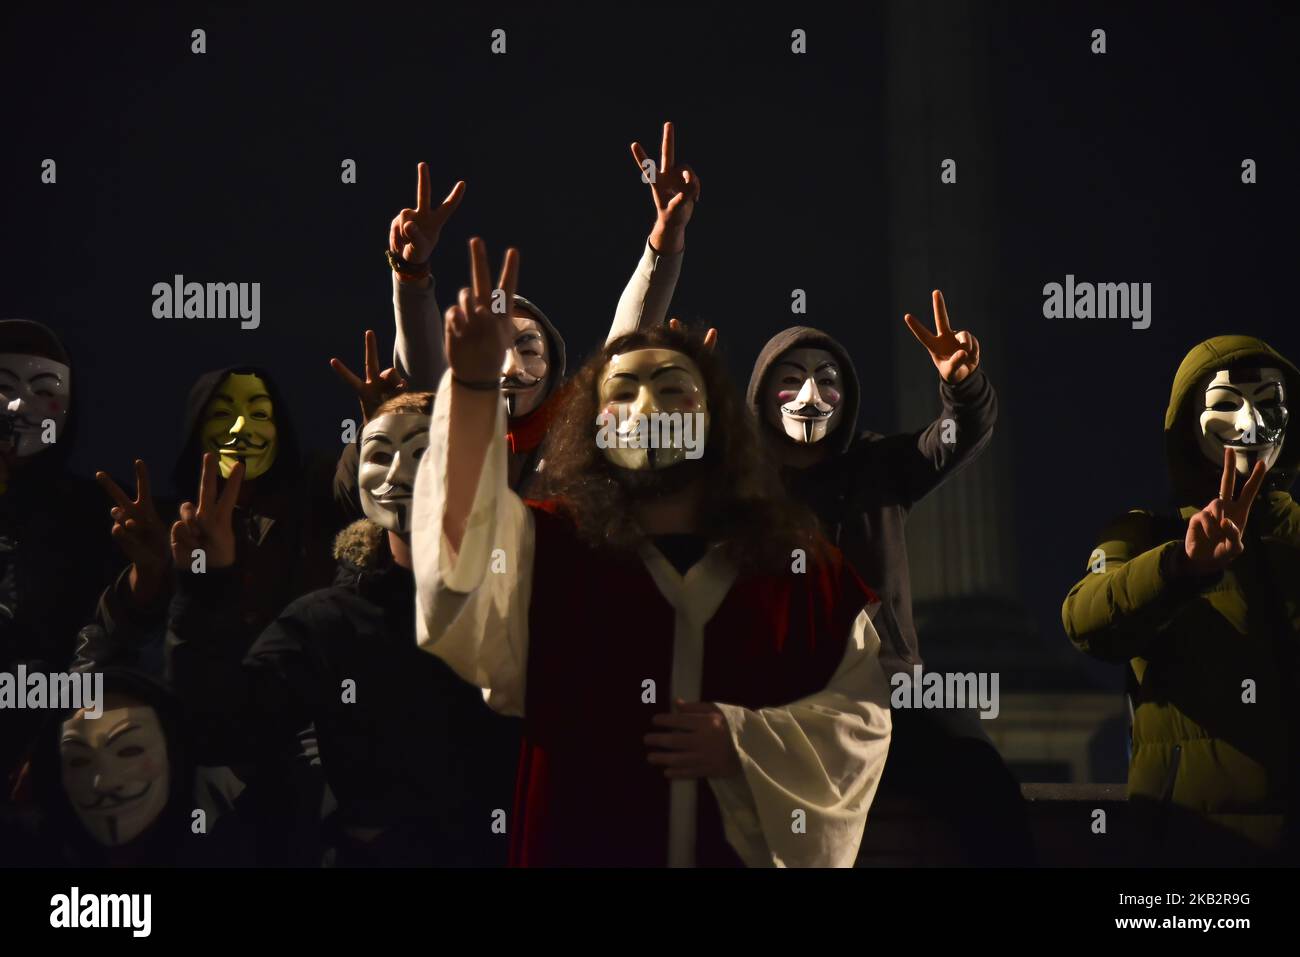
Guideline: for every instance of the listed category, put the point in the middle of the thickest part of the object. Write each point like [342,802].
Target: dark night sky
[225,167]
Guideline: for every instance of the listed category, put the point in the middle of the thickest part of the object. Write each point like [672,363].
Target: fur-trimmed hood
[363,545]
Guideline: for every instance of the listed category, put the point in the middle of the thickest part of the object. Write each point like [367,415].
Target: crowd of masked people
[265,699]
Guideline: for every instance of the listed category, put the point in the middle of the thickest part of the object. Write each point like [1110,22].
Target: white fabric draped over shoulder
[472,610]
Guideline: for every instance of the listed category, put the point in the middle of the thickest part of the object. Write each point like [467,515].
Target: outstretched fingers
[1229,480]
[1251,489]
[423,191]
[480,275]
[509,280]
[941,324]
[372,356]
[923,335]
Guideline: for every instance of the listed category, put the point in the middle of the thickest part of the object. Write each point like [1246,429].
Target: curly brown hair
[744,506]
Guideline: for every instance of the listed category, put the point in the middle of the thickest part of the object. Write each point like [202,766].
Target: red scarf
[526,432]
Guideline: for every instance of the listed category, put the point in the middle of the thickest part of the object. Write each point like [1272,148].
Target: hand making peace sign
[377,387]
[955,354]
[137,528]
[476,336]
[1214,533]
[414,232]
[210,526]
[675,191]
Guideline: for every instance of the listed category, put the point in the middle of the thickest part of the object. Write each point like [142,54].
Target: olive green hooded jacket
[1214,659]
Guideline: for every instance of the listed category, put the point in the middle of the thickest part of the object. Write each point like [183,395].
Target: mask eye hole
[419,453]
[78,761]
[1224,406]
[131,751]
[382,458]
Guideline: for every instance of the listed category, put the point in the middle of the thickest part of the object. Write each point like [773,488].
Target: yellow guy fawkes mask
[239,425]
[654,411]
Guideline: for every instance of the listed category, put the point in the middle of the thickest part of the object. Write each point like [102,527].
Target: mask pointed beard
[513,387]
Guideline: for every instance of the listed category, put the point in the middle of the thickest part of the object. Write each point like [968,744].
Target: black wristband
[400,265]
[484,386]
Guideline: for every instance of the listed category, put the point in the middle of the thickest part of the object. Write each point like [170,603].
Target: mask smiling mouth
[806,412]
[243,447]
[111,803]
[390,494]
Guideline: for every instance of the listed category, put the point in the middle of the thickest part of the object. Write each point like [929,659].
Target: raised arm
[1118,608]
[412,236]
[465,517]
[969,409]
[674,190]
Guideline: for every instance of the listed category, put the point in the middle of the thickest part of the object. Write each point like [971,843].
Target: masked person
[118,786]
[805,394]
[674,573]
[415,760]
[54,556]
[284,522]
[285,519]
[1201,606]
[533,367]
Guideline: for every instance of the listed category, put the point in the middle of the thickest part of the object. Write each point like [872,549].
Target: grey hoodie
[863,491]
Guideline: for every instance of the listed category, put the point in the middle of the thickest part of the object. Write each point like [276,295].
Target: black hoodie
[283,531]
[345,657]
[55,551]
[865,487]
[172,839]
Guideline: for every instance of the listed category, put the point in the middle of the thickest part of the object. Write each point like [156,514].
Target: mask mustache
[521,381]
[239,444]
[113,800]
[810,411]
[392,490]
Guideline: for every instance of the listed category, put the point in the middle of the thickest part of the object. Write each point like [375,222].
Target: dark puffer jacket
[416,760]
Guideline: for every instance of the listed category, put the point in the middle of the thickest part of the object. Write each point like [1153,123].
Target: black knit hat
[29,338]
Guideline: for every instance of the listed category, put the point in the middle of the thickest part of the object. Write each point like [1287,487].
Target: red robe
[599,627]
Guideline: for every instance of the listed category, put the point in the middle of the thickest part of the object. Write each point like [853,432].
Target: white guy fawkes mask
[523,372]
[804,394]
[1244,410]
[33,390]
[654,412]
[115,769]
[391,448]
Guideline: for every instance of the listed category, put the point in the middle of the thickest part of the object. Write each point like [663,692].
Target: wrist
[473,383]
[1182,567]
[667,240]
[143,585]
[407,271]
